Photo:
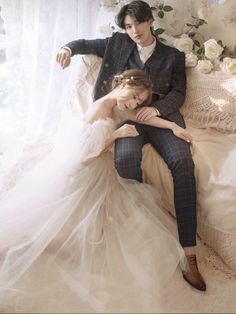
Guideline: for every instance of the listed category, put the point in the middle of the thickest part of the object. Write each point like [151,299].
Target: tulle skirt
[75,237]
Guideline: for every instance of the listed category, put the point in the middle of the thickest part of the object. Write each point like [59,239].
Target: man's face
[140,33]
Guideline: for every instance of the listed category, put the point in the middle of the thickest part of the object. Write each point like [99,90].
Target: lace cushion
[211,100]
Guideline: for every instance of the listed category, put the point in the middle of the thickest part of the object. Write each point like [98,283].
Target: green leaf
[159,31]
[224,50]
[161,14]
[162,40]
[197,43]
[153,8]
[201,22]
[200,51]
[191,34]
[161,6]
[221,58]
[201,57]
[188,24]
[167,8]
[194,17]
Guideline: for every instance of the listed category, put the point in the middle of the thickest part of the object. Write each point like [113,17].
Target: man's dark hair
[139,10]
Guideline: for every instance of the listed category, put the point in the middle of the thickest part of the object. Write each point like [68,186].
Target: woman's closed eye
[139,101]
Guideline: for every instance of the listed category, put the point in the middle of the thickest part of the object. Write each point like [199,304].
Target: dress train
[75,237]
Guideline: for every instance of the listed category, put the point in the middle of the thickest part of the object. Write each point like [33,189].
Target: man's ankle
[190,250]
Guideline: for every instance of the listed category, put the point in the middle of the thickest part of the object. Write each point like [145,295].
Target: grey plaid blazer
[166,68]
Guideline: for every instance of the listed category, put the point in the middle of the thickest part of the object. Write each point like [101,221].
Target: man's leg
[177,155]
[128,154]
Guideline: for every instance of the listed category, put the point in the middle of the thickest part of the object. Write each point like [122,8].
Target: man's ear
[150,21]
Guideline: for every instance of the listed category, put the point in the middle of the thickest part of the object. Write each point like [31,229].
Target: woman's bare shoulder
[99,109]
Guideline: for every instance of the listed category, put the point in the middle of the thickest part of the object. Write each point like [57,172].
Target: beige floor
[220,296]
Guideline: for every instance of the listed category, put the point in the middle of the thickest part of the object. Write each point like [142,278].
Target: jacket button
[104,82]
[106,65]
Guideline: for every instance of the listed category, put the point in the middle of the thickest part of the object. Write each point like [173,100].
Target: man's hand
[145,113]
[63,58]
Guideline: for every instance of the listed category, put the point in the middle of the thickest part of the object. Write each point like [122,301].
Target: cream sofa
[210,115]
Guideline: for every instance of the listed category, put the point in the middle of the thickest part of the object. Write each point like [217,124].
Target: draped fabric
[75,237]
[33,87]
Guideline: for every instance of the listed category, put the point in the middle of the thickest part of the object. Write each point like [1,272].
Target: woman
[81,238]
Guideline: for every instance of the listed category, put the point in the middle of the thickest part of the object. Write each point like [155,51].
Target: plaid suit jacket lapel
[158,54]
[128,46]
[125,51]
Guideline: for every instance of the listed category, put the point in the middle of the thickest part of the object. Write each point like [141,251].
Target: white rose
[212,49]
[229,65]
[106,30]
[204,66]
[154,3]
[190,60]
[109,5]
[169,40]
[184,43]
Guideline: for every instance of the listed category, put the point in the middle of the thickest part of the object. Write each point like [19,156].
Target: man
[139,48]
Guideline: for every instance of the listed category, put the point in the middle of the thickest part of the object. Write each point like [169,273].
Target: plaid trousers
[177,155]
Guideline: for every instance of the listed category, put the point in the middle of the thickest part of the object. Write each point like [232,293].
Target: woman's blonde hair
[137,79]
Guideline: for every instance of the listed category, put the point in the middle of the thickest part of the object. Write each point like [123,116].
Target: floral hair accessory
[119,77]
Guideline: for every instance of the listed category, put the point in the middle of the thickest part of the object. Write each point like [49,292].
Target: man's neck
[148,42]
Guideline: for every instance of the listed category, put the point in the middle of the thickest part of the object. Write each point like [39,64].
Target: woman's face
[129,98]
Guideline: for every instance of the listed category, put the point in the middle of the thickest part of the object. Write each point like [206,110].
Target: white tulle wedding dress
[75,237]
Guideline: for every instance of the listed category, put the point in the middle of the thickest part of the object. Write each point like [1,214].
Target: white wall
[221,20]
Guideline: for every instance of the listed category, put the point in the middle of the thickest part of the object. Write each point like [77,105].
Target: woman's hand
[164,124]
[181,133]
[126,130]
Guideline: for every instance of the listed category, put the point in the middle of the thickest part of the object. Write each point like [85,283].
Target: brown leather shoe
[192,275]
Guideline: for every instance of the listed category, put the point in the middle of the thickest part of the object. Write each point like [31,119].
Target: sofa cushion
[211,100]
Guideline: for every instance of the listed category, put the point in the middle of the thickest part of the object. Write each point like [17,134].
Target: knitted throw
[211,100]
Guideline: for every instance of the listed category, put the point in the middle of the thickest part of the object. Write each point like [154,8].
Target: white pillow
[211,100]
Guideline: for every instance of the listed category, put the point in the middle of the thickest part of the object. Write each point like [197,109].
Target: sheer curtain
[34,89]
